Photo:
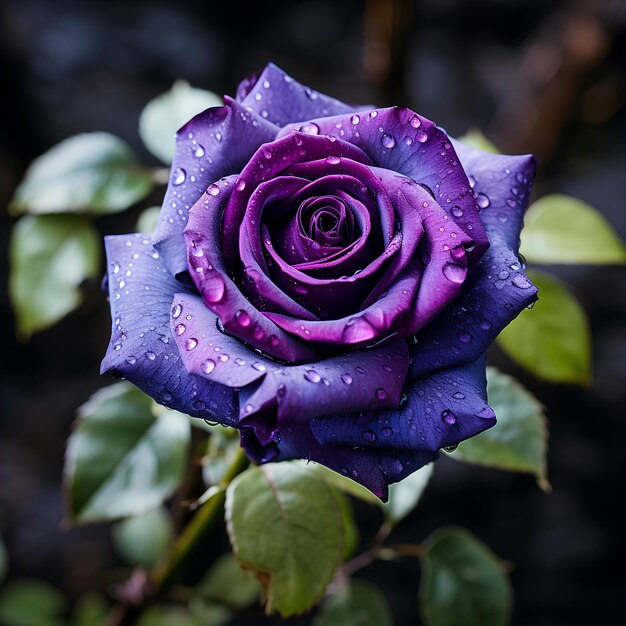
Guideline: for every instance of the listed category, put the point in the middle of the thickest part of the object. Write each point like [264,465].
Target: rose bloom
[325,278]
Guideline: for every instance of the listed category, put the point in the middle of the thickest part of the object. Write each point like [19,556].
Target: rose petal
[439,410]
[375,469]
[209,353]
[502,185]
[237,314]
[142,349]
[402,141]
[349,382]
[276,96]
[494,293]
[215,143]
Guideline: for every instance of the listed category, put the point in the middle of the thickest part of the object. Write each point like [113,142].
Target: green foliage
[90,610]
[404,496]
[463,582]
[172,616]
[147,221]
[164,115]
[144,539]
[475,139]
[226,583]
[222,448]
[552,340]
[562,229]
[50,257]
[31,603]
[285,525]
[359,604]
[91,172]
[123,458]
[519,440]
[347,485]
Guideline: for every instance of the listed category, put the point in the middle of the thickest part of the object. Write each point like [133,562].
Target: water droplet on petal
[259,367]
[422,136]
[486,413]
[242,318]
[241,185]
[482,201]
[346,378]
[177,309]
[213,288]
[312,376]
[388,141]
[464,337]
[451,448]
[267,154]
[521,282]
[333,160]
[448,417]
[369,435]
[454,272]
[199,152]
[213,190]
[310,129]
[239,361]
[457,211]
[274,340]
[151,356]
[458,395]
[381,394]
[179,176]
[387,431]
[415,121]
[180,329]
[191,343]
[131,360]
[355,119]
[208,366]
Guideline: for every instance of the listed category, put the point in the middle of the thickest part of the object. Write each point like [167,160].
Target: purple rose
[325,278]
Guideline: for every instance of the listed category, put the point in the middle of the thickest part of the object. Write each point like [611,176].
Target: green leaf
[552,341]
[147,221]
[4,561]
[359,604]
[93,172]
[404,496]
[144,539]
[164,115]
[90,610]
[222,448]
[51,255]
[31,603]
[463,582]
[519,440]
[169,616]
[475,139]
[562,229]
[345,484]
[122,459]
[227,583]
[285,525]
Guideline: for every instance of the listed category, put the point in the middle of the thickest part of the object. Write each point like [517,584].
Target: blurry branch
[386,26]
[549,80]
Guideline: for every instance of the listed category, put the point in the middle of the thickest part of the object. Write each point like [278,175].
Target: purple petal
[402,141]
[209,353]
[502,185]
[142,348]
[439,410]
[494,293]
[213,144]
[276,96]
[349,382]
[375,469]
[238,316]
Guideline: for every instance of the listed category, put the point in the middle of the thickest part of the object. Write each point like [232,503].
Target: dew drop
[151,356]
[274,340]
[422,136]
[369,436]
[199,151]
[448,417]
[310,129]
[464,337]
[457,211]
[333,160]
[259,367]
[239,361]
[180,329]
[451,448]
[346,378]
[131,360]
[457,395]
[267,154]
[242,318]
[454,272]
[415,121]
[486,413]
[387,431]
[213,288]
[312,376]
[177,309]
[388,141]
[355,119]
[191,343]
[241,185]
[179,176]
[521,282]
[381,394]
[213,190]
[482,201]
[208,366]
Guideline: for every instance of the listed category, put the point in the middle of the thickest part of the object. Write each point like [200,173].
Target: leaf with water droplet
[562,229]
[285,525]
[51,255]
[87,173]
[552,340]
[519,440]
[125,456]
[464,583]
[164,115]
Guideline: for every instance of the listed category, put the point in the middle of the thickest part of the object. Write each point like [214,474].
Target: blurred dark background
[536,76]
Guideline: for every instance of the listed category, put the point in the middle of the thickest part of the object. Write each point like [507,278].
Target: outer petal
[502,185]
[142,349]
[493,295]
[238,315]
[402,141]
[276,96]
[349,382]
[375,469]
[439,410]
[213,144]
